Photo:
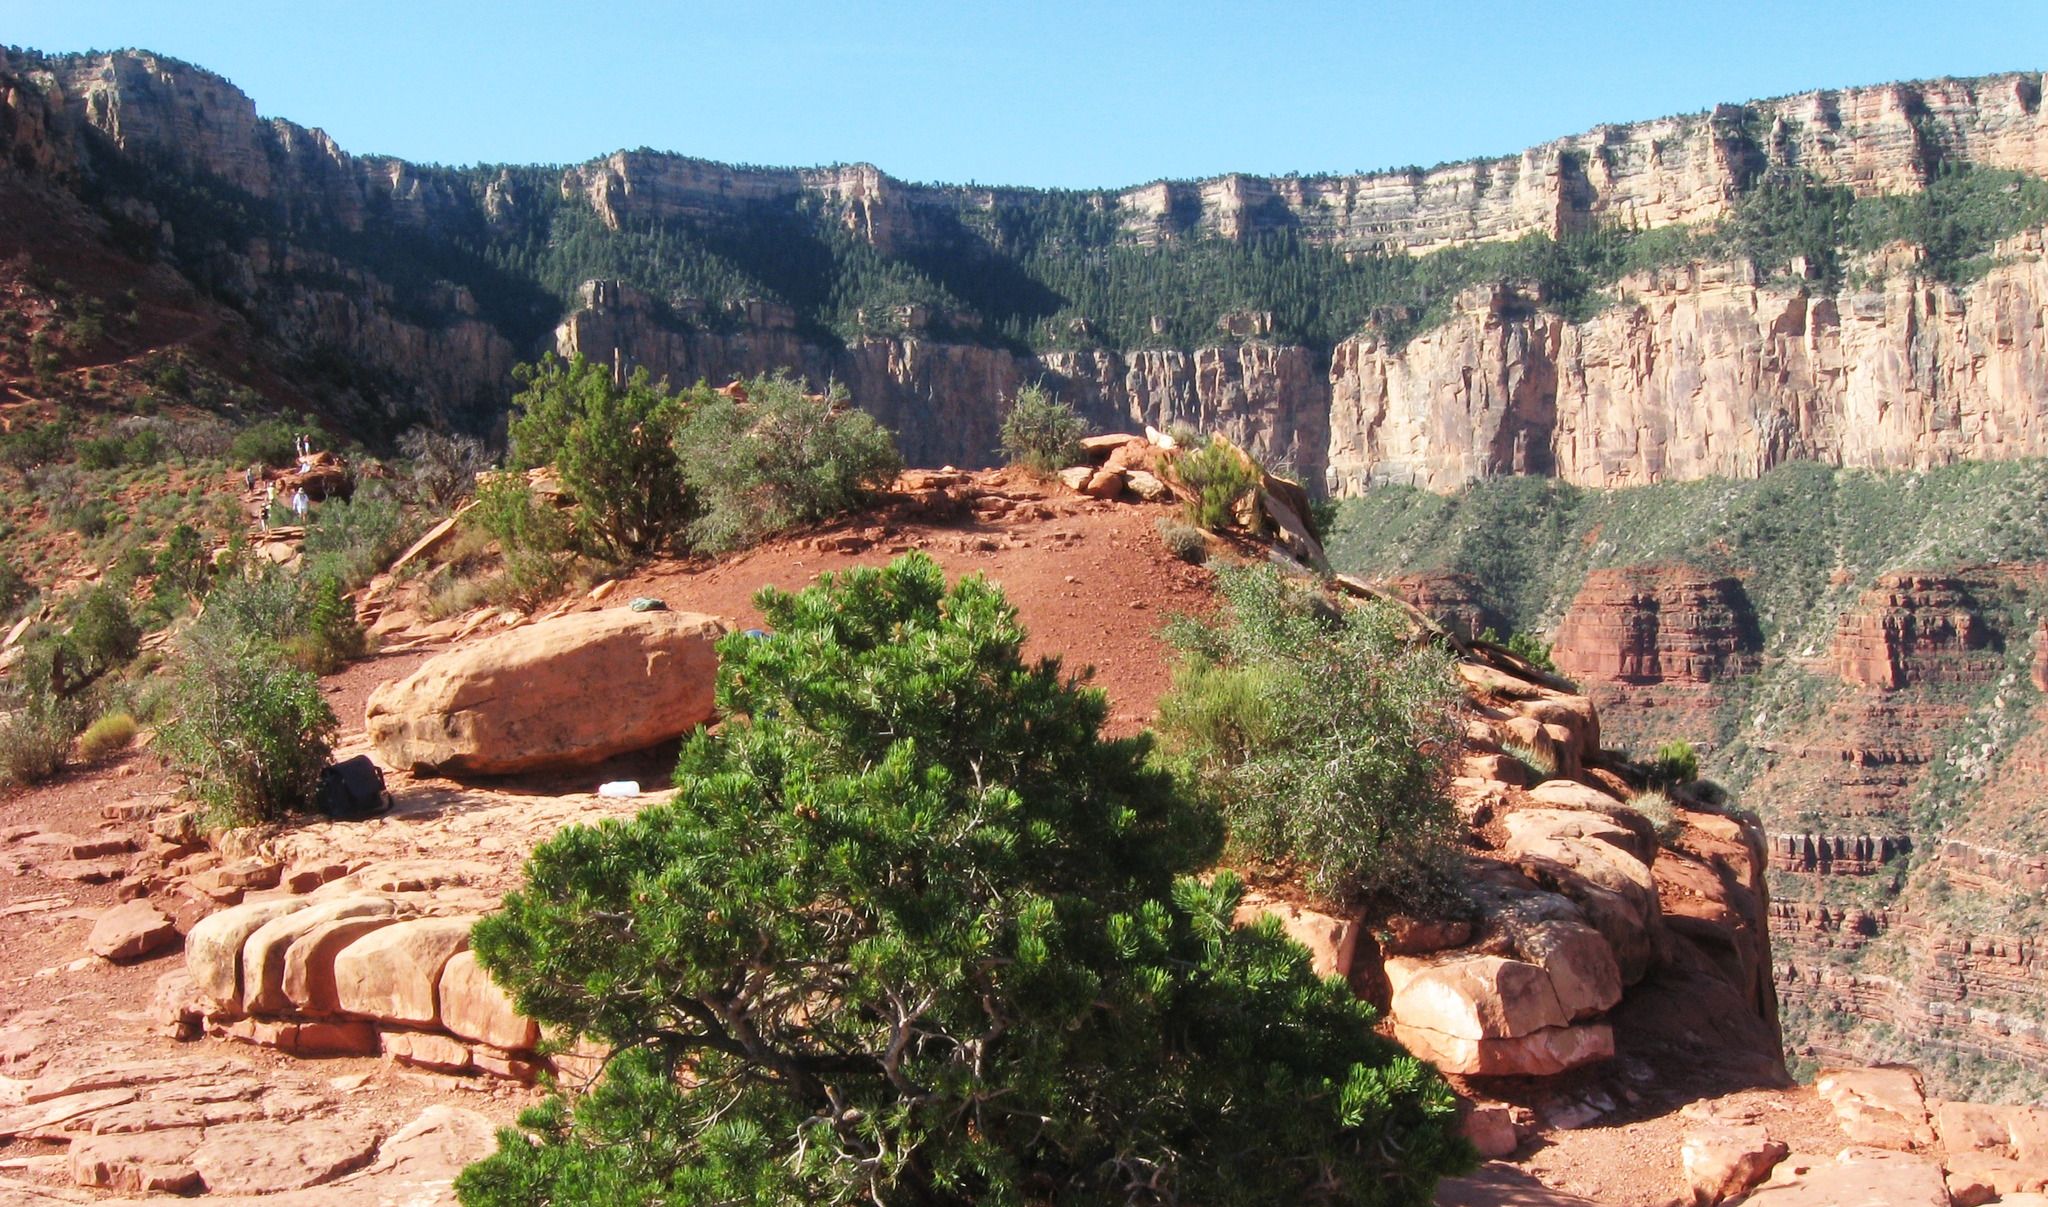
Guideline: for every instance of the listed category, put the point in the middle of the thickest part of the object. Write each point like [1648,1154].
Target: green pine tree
[912,931]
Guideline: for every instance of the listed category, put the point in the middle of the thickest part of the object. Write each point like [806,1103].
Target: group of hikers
[299,502]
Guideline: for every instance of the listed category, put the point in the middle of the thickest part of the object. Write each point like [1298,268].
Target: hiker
[249,477]
[269,501]
[300,503]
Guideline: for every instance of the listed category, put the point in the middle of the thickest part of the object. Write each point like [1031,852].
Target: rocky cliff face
[1698,370]
[1702,371]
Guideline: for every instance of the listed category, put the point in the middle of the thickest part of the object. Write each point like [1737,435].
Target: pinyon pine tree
[913,932]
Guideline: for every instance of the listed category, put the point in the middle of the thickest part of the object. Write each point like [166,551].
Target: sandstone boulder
[567,692]
[1580,963]
[473,1007]
[1591,858]
[264,953]
[213,948]
[393,974]
[130,931]
[1474,996]
[309,962]
[1722,1162]
[148,1161]
[1981,1177]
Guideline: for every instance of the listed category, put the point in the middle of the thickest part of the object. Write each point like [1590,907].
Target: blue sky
[1060,92]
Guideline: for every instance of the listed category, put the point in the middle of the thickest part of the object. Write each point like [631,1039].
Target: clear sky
[1056,92]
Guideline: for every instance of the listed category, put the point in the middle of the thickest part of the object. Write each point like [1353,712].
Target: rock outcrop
[567,692]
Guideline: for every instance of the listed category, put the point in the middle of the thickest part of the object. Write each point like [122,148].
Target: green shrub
[104,632]
[183,565]
[1220,478]
[533,535]
[1527,647]
[972,938]
[32,444]
[15,589]
[1184,541]
[1655,805]
[303,618]
[1540,764]
[350,540]
[35,739]
[113,731]
[272,442]
[1040,434]
[779,459]
[1322,731]
[1676,762]
[250,733]
[612,446]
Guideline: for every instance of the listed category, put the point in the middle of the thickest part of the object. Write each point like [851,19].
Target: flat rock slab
[254,1158]
[1878,1106]
[159,1161]
[1858,1177]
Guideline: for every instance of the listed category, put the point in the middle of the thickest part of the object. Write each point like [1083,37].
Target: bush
[104,632]
[779,459]
[35,740]
[272,442]
[350,540]
[966,936]
[1676,762]
[1655,806]
[15,590]
[532,534]
[184,565]
[250,733]
[1220,477]
[1184,541]
[1540,764]
[304,619]
[442,467]
[113,731]
[1041,435]
[1322,731]
[611,444]
[1528,648]
[33,444]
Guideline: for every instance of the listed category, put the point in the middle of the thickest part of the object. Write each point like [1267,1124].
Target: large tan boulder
[473,1007]
[309,962]
[567,692]
[1477,997]
[393,974]
[1592,859]
[264,953]
[1580,963]
[213,948]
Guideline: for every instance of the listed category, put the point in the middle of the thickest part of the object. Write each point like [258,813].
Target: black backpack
[352,790]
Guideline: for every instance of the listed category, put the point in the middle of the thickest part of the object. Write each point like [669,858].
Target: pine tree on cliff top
[912,931]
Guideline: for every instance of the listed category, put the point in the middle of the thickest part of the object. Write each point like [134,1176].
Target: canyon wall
[1694,371]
